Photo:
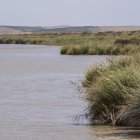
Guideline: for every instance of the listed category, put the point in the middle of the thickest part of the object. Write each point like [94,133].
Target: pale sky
[69,12]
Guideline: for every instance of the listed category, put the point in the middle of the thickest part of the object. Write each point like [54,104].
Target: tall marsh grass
[113,91]
[100,49]
[109,43]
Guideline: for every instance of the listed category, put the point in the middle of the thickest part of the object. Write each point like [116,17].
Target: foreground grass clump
[113,92]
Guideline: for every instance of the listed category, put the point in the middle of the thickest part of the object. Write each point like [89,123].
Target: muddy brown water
[38,100]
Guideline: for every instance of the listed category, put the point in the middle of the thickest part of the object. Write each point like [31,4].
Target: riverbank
[113,92]
[113,88]
[109,43]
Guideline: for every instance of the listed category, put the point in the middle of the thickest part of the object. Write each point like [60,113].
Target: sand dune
[6,30]
[120,28]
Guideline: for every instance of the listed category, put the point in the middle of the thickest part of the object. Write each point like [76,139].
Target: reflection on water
[37,99]
[117,133]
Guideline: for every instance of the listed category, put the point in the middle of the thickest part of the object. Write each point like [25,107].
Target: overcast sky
[69,12]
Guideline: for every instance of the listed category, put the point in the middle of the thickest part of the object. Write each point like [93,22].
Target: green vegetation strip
[110,43]
[113,92]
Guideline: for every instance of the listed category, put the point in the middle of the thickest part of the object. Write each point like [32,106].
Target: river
[38,100]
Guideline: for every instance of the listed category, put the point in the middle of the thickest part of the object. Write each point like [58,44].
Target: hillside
[64,29]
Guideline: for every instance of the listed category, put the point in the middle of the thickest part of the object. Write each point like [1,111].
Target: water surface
[37,97]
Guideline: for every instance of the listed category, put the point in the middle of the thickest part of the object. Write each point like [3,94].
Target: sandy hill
[7,30]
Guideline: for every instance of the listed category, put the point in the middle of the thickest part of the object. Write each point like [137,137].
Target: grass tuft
[112,87]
